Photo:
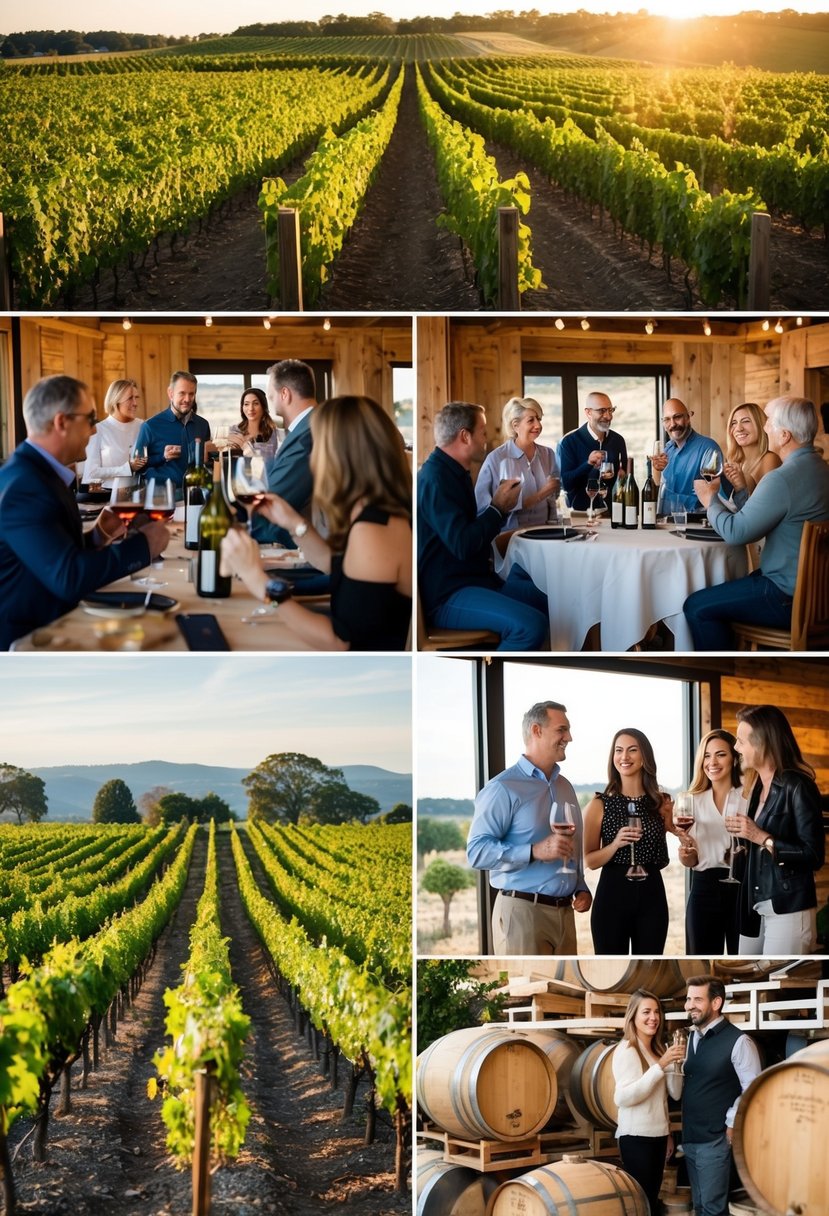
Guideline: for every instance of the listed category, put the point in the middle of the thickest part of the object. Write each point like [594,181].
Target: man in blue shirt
[169,436]
[783,500]
[456,583]
[678,467]
[580,452]
[511,837]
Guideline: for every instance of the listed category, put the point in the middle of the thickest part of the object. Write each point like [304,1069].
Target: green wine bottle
[631,498]
[196,489]
[617,504]
[214,524]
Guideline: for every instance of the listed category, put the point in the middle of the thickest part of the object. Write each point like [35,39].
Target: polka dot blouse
[652,849]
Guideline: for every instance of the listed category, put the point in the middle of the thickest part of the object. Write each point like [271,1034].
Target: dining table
[622,580]
[93,626]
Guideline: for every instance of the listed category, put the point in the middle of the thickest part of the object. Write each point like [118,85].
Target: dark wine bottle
[214,524]
[631,498]
[617,502]
[649,497]
[196,488]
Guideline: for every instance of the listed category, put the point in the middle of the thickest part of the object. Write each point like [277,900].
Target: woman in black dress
[629,915]
[363,490]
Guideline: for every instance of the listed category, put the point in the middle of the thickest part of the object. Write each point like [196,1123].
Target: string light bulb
[798,320]
[266,322]
[650,325]
[766,325]
[326,325]
[127,324]
[778,329]
[585,324]
[208,321]
[559,324]
[706,328]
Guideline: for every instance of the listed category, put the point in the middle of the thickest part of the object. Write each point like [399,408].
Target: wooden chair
[810,607]
[431,637]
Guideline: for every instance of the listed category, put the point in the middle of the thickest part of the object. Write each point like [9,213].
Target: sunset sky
[199,16]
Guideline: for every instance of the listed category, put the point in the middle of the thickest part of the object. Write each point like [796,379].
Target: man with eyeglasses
[47,562]
[676,469]
[581,452]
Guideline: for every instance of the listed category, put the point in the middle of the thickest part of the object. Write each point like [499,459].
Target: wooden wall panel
[793,362]
[432,378]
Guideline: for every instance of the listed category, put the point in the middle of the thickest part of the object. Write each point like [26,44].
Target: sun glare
[680,10]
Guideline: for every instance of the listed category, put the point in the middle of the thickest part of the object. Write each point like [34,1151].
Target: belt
[550,901]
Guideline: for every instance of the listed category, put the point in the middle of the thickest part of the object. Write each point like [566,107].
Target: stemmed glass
[729,810]
[247,482]
[126,498]
[684,814]
[606,472]
[657,448]
[593,488]
[679,1038]
[710,467]
[634,872]
[563,820]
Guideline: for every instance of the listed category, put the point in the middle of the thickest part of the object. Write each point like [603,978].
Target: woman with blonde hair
[521,457]
[747,457]
[363,490]
[643,1068]
[109,452]
[711,912]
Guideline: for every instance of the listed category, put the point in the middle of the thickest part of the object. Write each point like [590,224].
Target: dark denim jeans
[754,599]
[517,611]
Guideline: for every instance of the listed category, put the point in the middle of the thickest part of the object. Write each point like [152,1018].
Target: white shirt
[642,1096]
[109,449]
[709,832]
[744,1057]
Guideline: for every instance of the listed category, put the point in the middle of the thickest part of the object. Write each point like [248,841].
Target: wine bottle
[617,504]
[214,524]
[196,488]
[649,497]
[631,498]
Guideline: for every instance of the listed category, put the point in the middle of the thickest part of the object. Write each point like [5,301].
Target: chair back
[810,607]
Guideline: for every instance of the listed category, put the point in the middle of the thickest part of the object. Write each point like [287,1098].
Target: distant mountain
[71,788]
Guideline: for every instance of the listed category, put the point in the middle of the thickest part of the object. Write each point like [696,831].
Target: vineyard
[94,172]
[238,936]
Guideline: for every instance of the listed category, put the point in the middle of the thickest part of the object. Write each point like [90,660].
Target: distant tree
[22,793]
[211,806]
[336,803]
[445,880]
[114,803]
[174,807]
[286,784]
[449,998]
[437,836]
[148,804]
[401,812]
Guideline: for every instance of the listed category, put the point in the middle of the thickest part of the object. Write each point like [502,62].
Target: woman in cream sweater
[644,1078]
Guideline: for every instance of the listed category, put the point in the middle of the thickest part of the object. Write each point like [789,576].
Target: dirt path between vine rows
[396,258]
[108,1157]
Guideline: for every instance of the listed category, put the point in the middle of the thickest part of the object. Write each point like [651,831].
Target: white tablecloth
[625,581]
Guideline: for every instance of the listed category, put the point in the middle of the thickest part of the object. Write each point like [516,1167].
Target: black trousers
[643,1157]
[711,914]
[629,917]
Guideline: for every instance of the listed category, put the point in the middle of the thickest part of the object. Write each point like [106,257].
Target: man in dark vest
[720,1064]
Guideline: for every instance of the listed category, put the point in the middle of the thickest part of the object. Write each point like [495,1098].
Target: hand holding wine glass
[635,872]
[248,481]
[710,467]
[126,499]
[563,823]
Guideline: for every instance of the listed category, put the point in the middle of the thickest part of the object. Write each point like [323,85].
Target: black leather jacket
[794,818]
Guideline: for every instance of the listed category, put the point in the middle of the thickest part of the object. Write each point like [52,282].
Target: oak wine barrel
[739,1204]
[562,1051]
[575,1185]
[678,1204]
[444,1189]
[780,1134]
[592,1085]
[486,1083]
[664,977]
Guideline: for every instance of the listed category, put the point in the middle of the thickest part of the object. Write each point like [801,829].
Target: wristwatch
[768,845]
[277,590]
[300,530]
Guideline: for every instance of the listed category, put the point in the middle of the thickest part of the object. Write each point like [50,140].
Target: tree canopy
[438,836]
[286,785]
[336,803]
[172,807]
[22,793]
[114,803]
[401,812]
[449,998]
[445,880]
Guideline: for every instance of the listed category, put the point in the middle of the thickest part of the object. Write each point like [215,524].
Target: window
[402,390]
[221,385]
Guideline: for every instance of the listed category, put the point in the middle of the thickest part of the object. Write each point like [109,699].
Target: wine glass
[593,488]
[606,473]
[126,498]
[160,499]
[563,821]
[657,448]
[679,1038]
[731,807]
[634,872]
[710,467]
[247,481]
[684,814]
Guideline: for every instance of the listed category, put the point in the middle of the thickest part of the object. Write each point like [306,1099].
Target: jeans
[754,599]
[517,611]
[785,933]
[709,1172]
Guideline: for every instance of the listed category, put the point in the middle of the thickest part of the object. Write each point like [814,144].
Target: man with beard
[678,466]
[720,1064]
[580,453]
[169,437]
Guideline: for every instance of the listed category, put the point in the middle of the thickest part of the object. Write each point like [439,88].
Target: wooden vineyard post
[5,269]
[758,264]
[290,260]
[201,1146]
[508,297]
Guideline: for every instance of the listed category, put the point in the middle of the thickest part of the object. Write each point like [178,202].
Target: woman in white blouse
[711,915]
[524,458]
[109,453]
[644,1074]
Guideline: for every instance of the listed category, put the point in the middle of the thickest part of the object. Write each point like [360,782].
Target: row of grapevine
[329,196]
[473,192]
[711,235]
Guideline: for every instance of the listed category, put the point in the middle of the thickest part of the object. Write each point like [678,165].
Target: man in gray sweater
[778,508]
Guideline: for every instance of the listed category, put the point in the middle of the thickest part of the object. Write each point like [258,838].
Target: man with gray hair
[537,870]
[456,582]
[782,502]
[170,436]
[580,452]
[47,562]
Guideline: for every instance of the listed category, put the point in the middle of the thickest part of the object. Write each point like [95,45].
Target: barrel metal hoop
[457,1093]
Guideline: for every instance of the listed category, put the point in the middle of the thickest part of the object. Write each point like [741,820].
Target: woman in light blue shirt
[521,457]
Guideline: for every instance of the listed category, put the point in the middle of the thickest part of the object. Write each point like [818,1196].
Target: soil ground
[108,1155]
[397,259]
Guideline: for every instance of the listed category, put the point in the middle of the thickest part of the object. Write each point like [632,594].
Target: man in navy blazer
[579,452]
[47,562]
[291,393]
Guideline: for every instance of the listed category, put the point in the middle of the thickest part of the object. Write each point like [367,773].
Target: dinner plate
[126,603]
[698,534]
[553,533]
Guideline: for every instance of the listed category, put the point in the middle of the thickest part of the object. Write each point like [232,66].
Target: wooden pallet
[487,1155]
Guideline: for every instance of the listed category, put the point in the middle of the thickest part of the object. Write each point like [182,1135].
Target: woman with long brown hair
[256,430]
[643,1068]
[623,825]
[363,491]
[786,843]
